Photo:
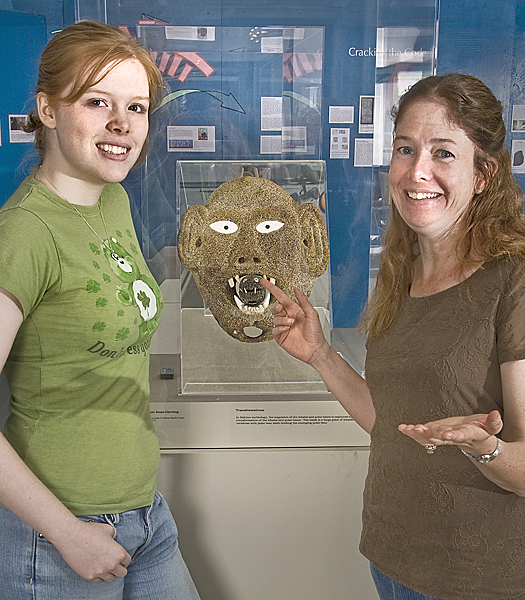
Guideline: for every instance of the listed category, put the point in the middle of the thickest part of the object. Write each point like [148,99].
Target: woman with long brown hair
[445,367]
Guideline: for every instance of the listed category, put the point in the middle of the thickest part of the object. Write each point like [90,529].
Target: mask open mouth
[249,295]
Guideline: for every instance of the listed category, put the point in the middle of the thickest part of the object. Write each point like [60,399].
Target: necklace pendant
[114,256]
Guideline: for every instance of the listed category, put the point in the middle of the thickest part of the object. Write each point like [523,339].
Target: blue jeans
[32,569]
[388,589]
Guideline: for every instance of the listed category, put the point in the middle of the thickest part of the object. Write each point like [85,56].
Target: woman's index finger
[281,296]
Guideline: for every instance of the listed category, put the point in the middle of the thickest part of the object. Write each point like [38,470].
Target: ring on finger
[430,448]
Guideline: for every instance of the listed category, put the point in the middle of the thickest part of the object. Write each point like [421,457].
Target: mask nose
[246,254]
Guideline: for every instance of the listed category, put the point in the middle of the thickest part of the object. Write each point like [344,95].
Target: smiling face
[99,137]
[432,174]
[248,229]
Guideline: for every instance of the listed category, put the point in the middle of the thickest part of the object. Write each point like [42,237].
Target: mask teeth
[231,281]
[251,309]
[234,283]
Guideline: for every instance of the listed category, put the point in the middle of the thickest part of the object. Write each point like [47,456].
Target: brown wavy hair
[77,58]
[493,225]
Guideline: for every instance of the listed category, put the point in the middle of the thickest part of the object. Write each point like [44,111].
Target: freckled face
[99,137]
[432,175]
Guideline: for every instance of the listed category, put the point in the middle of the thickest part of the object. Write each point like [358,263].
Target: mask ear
[190,239]
[315,240]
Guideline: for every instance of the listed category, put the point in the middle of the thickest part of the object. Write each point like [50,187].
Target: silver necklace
[112,252]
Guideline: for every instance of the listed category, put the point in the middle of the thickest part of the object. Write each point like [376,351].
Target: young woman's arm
[88,548]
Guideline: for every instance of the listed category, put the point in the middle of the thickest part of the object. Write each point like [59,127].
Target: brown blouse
[433,522]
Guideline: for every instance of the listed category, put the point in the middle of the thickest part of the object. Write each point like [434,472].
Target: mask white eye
[224,226]
[269,226]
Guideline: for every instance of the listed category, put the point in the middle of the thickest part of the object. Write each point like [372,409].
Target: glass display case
[212,362]
[211,390]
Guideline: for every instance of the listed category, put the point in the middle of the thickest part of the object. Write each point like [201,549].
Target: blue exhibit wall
[487,39]
[25,28]
[22,38]
[484,38]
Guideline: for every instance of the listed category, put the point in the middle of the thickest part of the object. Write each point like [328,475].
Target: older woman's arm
[476,434]
[298,331]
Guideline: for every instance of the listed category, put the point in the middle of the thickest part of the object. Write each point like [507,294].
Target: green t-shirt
[79,367]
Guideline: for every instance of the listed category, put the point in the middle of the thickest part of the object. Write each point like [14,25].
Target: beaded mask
[251,228]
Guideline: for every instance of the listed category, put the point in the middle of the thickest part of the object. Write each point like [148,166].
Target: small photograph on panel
[17,135]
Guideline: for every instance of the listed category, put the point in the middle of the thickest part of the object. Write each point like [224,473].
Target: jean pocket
[92,518]
[102,519]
